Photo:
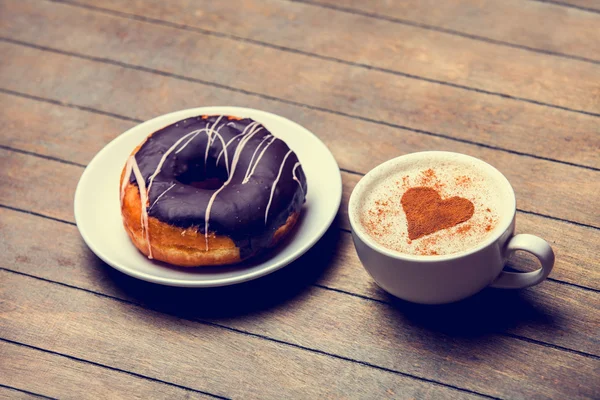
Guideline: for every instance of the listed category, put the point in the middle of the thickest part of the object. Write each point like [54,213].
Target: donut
[210,190]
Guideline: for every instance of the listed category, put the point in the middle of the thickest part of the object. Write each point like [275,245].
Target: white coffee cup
[436,279]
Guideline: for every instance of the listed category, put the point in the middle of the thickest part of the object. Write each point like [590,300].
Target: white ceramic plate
[98,214]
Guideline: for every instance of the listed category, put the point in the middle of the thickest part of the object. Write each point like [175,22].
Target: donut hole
[196,175]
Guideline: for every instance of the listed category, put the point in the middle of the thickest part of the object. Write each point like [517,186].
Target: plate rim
[232,280]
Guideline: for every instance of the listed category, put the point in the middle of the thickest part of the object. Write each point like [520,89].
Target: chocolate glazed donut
[210,190]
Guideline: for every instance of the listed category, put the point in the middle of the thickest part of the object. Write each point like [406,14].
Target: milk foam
[382,217]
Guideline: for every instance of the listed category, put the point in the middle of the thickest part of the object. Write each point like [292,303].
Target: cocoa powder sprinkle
[418,198]
[427,213]
[463,229]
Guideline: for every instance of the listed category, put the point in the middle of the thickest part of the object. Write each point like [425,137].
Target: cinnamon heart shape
[427,213]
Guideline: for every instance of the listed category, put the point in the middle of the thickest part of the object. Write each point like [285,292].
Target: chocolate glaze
[271,179]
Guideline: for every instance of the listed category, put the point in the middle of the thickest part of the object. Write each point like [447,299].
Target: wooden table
[513,82]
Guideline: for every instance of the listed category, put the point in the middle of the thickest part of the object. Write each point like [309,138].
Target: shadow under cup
[436,279]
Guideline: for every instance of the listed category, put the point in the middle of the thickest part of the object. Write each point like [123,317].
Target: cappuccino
[432,206]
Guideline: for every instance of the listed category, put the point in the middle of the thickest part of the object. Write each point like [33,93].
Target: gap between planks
[127,118]
[250,93]
[314,55]
[486,114]
[358,174]
[569,5]
[95,363]
[235,330]
[20,210]
[434,28]
[341,291]
[41,396]
[316,285]
[62,161]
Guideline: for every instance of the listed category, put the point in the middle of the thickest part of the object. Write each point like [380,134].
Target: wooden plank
[44,128]
[33,369]
[530,24]
[527,314]
[318,319]
[362,93]
[15,394]
[195,355]
[118,90]
[552,312]
[86,133]
[384,44]
[25,183]
[587,5]
[29,183]
[590,391]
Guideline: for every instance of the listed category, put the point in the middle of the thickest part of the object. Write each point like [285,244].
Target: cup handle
[531,244]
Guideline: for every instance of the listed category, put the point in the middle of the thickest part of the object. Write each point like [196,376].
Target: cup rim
[427,258]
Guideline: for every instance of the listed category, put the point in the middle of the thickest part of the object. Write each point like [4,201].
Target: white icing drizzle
[294,177]
[224,150]
[209,132]
[144,200]
[164,157]
[210,139]
[227,145]
[234,162]
[275,184]
[218,135]
[132,165]
[128,169]
[196,133]
[249,131]
[258,160]
[161,195]
[248,172]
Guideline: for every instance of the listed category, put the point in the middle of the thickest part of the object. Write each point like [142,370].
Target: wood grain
[531,24]
[56,167]
[71,379]
[362,93]
[196,355]
[118,90]
[14,394]
[385,44]
[318,328]
[591,5]
[50,126]
[393,337]
[552,313]
[28,183]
